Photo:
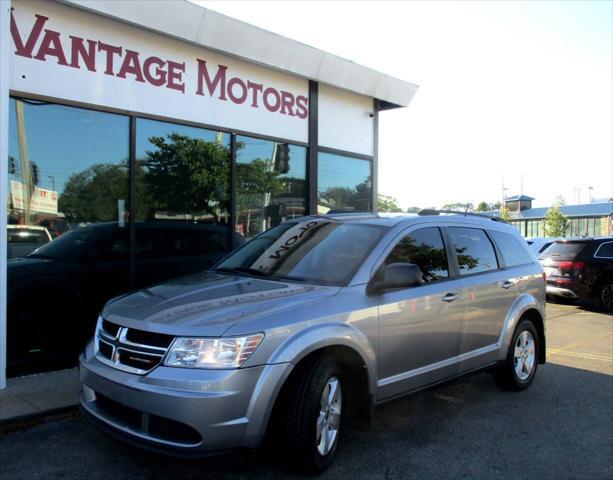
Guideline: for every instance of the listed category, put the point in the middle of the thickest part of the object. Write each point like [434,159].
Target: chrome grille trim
[119,343]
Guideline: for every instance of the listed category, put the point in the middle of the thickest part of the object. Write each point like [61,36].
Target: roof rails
[431,211]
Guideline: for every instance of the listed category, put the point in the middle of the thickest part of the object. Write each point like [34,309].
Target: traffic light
[12,168]
[282,158]
[35,173]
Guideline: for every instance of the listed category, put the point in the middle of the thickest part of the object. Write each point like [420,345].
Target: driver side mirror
[396,275]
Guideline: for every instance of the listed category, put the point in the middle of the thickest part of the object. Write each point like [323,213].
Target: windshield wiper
[248,271]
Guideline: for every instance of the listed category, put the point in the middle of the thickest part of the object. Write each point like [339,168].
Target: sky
[514,93]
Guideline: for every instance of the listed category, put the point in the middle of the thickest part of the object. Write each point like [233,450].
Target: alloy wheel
[524,355]
[329,419]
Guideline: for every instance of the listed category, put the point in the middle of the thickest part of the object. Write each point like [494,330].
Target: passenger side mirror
[397,275]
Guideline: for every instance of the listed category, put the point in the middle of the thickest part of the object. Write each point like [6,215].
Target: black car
[56,292]
[581,269]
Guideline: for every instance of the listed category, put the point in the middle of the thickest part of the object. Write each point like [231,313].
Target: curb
[24,422]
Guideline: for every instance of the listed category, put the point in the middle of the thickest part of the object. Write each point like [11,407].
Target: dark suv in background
[581,269]
[56,292]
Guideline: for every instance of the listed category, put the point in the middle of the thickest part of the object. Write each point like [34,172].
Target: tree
[188,175]
[91,195]
[555,222]
[346,198]
[484,207]
[504,214]
[386,203]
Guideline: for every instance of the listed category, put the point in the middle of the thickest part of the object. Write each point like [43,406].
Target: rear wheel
[604,298]
[314,416]
[521,363]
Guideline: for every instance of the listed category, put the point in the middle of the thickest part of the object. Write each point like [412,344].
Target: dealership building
[139,113]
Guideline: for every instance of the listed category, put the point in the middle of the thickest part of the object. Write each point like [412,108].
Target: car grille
[130,349]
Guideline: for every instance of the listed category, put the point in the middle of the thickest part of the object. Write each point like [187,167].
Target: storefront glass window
[182,200]
[68,194]
[344,183]
[270,184]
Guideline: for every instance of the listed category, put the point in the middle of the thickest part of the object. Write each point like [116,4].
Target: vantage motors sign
[68,54]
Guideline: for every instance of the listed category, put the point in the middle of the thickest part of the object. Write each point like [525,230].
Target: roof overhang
[208,29]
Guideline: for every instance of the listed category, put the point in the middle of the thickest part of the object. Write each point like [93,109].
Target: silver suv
[302,330]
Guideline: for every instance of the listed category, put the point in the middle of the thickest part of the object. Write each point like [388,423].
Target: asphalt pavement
[560,428]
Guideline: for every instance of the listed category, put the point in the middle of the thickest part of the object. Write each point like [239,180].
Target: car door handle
[507,284]
[450,297]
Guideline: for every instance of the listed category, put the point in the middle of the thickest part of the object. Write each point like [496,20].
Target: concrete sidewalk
[28,399]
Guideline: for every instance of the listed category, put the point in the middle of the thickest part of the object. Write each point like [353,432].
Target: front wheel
[314,416]
[521,363]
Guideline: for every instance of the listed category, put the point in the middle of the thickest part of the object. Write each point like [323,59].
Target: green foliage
[187,175]
[91,195]
[556,222]
[504,214]
[357,198]
[483,207]
[386,203]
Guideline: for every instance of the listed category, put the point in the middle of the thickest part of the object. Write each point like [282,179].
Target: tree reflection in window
[474,250]
[425,249]
[188,176]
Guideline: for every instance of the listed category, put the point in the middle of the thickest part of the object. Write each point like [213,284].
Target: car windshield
[319,251]
[68,245]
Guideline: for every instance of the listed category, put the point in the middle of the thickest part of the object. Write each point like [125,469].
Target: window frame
[379,262]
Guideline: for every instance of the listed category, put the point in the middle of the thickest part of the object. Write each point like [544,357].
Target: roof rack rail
[432,211]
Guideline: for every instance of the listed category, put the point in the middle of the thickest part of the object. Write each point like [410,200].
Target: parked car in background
[55,293]
[24,239]
[581,268]
[539,244]
[307,326]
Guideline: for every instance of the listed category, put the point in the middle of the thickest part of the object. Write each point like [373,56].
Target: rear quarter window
[513,252]
[605,250]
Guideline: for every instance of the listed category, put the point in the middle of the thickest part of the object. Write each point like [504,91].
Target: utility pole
[52,182]
[590,192]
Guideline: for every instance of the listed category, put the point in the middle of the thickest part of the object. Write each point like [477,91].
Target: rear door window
[474,250]
[511,249]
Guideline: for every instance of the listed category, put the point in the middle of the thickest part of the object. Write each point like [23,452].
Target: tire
[604,296]
[313,419]
[521,363]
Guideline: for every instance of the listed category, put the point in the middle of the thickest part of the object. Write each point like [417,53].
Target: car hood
[208,304]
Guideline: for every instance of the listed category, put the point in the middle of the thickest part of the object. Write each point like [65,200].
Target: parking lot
[561,427]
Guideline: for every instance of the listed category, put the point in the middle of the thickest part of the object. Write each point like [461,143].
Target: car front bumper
[181,411]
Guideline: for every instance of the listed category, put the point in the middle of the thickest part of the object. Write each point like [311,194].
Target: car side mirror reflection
[397,275]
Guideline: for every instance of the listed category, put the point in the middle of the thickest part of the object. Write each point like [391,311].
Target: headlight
[229,352]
